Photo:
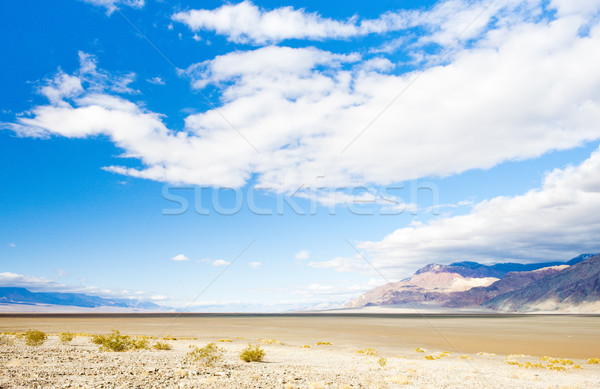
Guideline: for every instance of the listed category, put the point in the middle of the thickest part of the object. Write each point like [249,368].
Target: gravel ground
[80,364]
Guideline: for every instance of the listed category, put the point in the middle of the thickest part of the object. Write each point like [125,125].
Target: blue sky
[411,132]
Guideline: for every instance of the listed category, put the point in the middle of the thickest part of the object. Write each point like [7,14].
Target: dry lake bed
[309,350]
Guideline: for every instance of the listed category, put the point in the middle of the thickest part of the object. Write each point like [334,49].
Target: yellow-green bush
[207,355]
[323,344]
[66,336]
[35,338]
[161,346]
[113,341]
[593,361]
[382,361]
[252,354]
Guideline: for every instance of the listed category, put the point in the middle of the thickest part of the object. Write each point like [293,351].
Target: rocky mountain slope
[470,284]
[575,286]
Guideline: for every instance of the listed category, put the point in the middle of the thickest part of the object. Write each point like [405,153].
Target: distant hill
[466,284]
[576,285]
[15,295]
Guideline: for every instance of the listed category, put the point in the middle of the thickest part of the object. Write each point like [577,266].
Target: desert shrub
[35,338]
[140,343]
[169,337]
[113,341]
[224,340]
[419,350]
[207,355]
[429,357]
[382,361]
[305,346]
[323,344]
[252,354]
[161,346]
[593,361]
[367,351]
[66,336]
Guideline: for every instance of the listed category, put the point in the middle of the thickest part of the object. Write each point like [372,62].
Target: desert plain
[309,351]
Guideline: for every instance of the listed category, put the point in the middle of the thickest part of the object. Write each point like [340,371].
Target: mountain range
[571,286]
[24,297]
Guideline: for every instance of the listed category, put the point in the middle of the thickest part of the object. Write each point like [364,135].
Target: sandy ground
[289,365]
[558,335]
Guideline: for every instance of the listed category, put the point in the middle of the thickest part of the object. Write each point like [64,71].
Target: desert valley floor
[497,351]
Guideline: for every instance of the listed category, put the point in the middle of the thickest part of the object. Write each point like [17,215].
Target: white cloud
[555,222]
[113,5]
[180,257]
[255,265]
[493,102]
[156,81]
[220,262]
[302,255]
[247,23]
[12,245]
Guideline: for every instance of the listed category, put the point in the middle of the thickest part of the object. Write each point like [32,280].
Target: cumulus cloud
[255,265]
[300,107]
[220,262]
[179,257]
[554,222]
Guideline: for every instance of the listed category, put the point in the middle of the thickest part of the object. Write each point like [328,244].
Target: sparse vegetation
[419,350]
[207,355]
[429,357]
[252,354]
[224,340]
[323,344]
[593,361]
[140,343]
[161,346]
[382,361]
[169,337]
[367,351]
[66,337]
[113,341]
[271,341]
[305,346]
[35,338]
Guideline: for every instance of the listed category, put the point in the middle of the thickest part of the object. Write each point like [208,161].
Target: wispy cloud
[113,5]
[12,245]
[302,255]
[220,262]
[255,265]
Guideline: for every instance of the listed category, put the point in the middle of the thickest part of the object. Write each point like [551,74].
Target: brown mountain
[577,286]
[463,284]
